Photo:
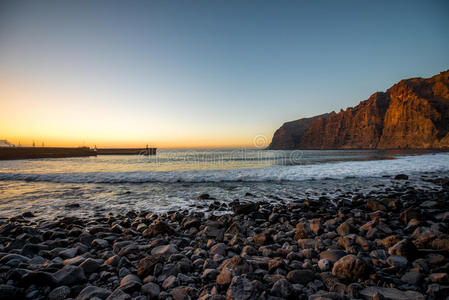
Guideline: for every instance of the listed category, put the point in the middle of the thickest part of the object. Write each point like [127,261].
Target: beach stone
[205,196]
[397,261]
[169,282]
[240,289]
[282,288]
[413,278]
[302,231]
[390,294]
[401,177]
[59,293]
[38,278]
[100,244]
[307,243]
[113,260]
[403,248]
[439,277]
[324,264]
[10,292]
[147,264]
[90,265]
[151,289]
[70,275]
[91,292]
[224,278]
[244,208]
[184,293]
[219,248]
[157,228]
[68,253]
[165,250]
[301,276]
[345,228]
[332,255]
[118,294]
[350,267]
[77,260]
[316,226]
[130,283]
[262,239]
[209,274]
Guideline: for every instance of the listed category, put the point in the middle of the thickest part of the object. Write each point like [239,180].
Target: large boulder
[350,267]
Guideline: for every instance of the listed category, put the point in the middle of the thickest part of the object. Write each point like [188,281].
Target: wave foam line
[407,164]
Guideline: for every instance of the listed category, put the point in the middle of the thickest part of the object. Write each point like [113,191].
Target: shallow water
[173,179]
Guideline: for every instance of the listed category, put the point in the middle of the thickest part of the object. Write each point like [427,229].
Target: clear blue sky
[202,73]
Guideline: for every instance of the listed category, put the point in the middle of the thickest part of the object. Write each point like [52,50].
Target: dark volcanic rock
[350,267]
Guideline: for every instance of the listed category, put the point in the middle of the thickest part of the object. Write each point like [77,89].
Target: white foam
[406,164]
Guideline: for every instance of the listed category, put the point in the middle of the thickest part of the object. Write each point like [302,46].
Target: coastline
[391,244]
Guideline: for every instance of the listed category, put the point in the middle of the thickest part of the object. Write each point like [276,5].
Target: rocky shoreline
[391,245]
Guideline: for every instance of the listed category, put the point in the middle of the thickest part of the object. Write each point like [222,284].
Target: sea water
[173,179]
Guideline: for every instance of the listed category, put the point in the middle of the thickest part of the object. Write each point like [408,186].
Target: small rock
[91,292]
[59,293]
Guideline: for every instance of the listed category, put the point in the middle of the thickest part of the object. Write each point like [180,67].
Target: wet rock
[151,289]
[332,255]
[390,294]
[169,283]
[244,208]
[118,294]
[100,244]
[130,283]
[301,276]
[10,292]
[302,231]
[401,177]
[439,277]
[262,238]
[219,248]
[413,278]
[397,261]
[68,253]
[59,293]
[240,289]
[165,250]
[38,278]
[316,226]
[403,248]
[70,275]
[209,274]
[224,278]
[147,264]
[350,267]
[345,228]
[205,197]
[91,292]
[184,293]
[90,265]
[324,264]
[282,288]
[156,229]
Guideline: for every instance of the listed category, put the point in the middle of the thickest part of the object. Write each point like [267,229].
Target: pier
[13,153]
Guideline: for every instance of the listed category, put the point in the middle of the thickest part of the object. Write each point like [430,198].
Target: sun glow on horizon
[30,114]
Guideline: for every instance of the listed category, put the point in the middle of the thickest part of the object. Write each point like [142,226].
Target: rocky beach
[391,243]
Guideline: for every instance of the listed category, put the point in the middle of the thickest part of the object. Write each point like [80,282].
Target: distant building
[5,143]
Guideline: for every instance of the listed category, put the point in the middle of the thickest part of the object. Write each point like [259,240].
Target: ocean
[173,179]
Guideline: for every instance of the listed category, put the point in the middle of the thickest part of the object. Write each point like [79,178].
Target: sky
[201,73]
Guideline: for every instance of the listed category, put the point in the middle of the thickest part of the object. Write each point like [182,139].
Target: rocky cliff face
[413,113]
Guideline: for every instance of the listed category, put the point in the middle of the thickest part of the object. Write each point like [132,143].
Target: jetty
[13,153]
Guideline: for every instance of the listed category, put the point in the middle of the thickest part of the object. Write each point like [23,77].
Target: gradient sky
[201,73]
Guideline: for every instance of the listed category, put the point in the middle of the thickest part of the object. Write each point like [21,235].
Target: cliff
[413,113]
